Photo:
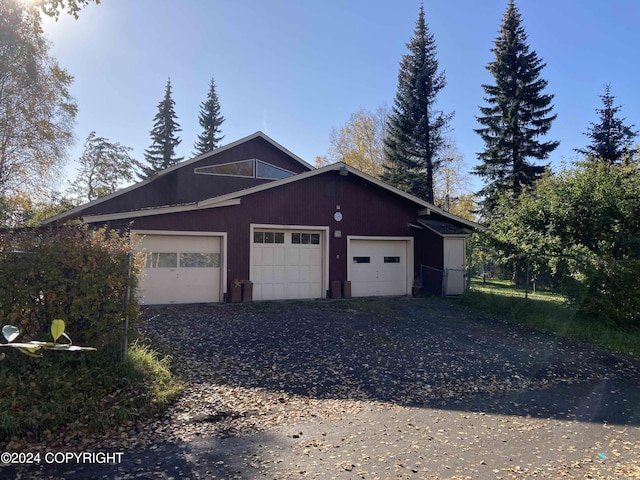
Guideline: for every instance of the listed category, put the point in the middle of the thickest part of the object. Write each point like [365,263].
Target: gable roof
[345,169]
[234,198]
[78,210]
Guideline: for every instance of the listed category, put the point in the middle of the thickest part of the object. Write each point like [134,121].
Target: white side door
[454,266]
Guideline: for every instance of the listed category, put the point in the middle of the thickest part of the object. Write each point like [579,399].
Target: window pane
[264,170]
[279,237]
[150,260]
[295,238]
[315,238]
[258,237]
[306,238]
[361,259]
[268,237]
[391,259]
[199,260]
[161,260]
[238,169]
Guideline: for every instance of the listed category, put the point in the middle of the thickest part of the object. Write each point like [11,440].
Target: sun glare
[28,3]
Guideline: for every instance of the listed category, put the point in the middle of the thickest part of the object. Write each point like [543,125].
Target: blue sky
[294,69]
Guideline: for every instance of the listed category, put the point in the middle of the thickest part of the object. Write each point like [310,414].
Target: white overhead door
[286,264]
[378,267]
[180,269]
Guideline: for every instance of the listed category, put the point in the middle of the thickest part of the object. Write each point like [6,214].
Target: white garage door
[378,267]
[180,269]
[286,264]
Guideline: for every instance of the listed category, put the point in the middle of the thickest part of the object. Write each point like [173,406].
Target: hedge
[78,275]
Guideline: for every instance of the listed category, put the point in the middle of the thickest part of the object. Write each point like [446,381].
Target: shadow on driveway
[404,351]
[202,458]
[379,388]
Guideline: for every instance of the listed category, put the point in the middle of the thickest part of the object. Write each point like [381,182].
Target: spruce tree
[611,139]
[161,153]
[416,129]
[210,120]
[517,115]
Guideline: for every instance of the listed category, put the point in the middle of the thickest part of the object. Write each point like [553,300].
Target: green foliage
[57,329]
[52,8]
[607,291]
[33,213]
[36,108]
[161,154]
[71,273]
[103,167]
[415,131]
[162,386]
[582,224]
[73,397]
[611,139]
[21,211]
[518,113]
[210,120]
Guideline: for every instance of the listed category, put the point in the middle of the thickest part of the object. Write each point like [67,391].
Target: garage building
[253,211]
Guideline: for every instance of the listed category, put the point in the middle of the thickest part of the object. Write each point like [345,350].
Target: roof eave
[227,199]
[76,211]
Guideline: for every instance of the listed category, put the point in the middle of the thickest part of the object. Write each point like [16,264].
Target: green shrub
[79,396]
[78,275]
[606,291]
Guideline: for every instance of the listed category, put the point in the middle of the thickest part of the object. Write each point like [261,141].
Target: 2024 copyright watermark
[24,458]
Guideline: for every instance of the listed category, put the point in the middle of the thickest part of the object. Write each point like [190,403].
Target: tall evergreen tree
[161,153]
[611,139]
[517,115]
[416,129]
[210,120]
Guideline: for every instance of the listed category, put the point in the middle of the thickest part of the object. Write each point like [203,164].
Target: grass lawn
[78,396]
[548,312]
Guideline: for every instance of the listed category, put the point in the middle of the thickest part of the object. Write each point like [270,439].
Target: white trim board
[148,212]
[342,167]
[339,167]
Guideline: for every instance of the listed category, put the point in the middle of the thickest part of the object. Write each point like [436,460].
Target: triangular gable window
[235,169]
[246,168]
[271,172]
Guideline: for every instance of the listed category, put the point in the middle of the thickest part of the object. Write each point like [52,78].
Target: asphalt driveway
[371,388]
[415,352]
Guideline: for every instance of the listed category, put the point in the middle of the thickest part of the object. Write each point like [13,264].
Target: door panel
[378,267]
[286,270]
[194,275]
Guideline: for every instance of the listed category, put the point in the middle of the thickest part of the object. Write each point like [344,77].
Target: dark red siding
[428,242]
[183,186]
[429,248]
[367,209]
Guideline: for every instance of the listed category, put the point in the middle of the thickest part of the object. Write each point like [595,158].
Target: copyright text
[61,457]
